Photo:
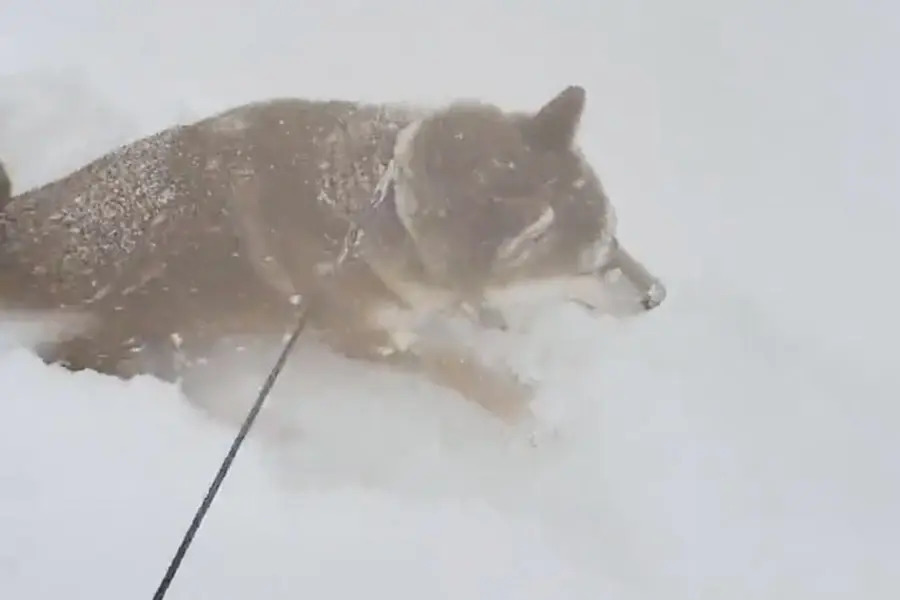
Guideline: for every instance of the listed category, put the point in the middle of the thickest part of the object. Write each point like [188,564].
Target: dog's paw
[506,397]
[530,434]
[546,424]
[544,435]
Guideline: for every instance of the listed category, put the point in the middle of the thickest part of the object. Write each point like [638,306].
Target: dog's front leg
[484,315]
[458,369]
[498,391]
[393,336]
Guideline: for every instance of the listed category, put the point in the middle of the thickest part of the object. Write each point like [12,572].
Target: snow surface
[739,442]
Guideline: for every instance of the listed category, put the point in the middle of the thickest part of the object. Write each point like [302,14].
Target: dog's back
[198,229]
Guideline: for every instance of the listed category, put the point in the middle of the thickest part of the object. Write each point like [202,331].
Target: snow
[739,442]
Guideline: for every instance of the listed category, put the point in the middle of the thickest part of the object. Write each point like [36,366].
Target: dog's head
[503,205]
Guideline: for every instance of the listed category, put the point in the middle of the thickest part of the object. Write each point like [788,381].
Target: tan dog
[211,229]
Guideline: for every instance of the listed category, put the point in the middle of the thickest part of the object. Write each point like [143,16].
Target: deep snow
[740,442]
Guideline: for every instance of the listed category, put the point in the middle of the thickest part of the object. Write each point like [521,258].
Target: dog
[381,216]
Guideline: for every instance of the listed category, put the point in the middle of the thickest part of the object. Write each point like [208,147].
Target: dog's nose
[654,296]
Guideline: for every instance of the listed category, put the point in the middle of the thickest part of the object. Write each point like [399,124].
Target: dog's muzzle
[650,289]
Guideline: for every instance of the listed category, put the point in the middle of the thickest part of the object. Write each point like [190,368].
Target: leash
[350,242]
[232,452]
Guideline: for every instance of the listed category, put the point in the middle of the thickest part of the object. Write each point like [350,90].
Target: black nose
[654,296]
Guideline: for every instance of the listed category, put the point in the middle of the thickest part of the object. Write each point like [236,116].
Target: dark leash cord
[232,452]
[384,190]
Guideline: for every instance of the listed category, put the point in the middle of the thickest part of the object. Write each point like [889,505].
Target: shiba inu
[381,216]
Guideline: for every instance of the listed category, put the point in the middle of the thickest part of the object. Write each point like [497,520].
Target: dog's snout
[650,292]
[655,295]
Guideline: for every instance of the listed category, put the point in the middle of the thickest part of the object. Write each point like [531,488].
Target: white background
[739,442]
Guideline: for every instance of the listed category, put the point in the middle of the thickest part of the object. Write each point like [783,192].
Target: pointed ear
[554,126]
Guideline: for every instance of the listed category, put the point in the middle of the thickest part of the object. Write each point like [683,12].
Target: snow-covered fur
[216,228]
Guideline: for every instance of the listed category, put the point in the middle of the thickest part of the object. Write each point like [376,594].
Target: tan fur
[211,229]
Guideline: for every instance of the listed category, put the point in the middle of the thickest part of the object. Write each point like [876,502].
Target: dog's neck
[386,245]
[383,241]
[357,151]
[382,238]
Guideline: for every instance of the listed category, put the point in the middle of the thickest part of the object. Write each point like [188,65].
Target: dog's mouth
[620,286]
[614,282]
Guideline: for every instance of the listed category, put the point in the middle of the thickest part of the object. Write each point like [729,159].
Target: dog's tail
[5,187]
[36,326]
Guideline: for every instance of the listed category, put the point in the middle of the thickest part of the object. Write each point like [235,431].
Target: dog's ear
[554,126]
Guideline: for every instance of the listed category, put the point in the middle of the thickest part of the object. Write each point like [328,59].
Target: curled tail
[5,187]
